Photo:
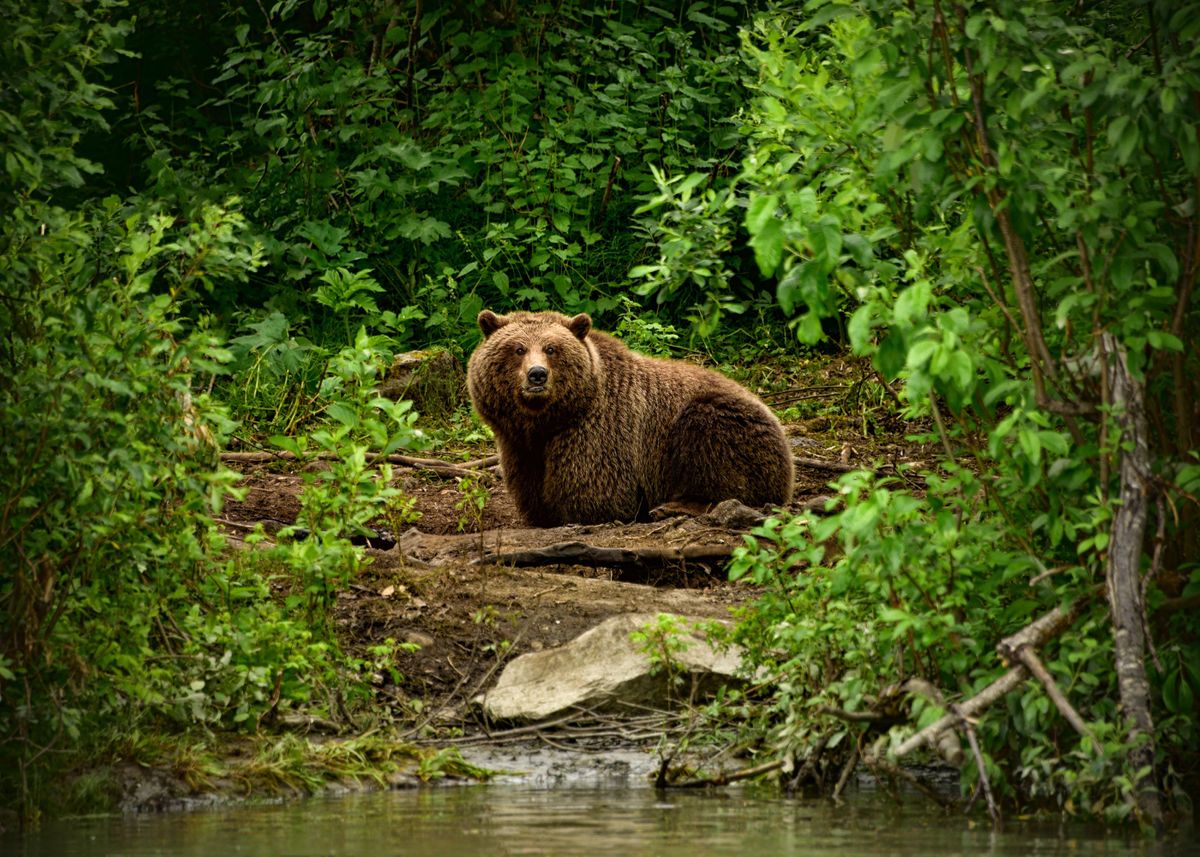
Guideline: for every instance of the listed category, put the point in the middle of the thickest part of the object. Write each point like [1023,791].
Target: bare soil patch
[436,587]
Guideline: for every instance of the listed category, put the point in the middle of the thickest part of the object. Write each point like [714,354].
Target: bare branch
[1034,664]
[1034,634]
[984,785]
[723,779]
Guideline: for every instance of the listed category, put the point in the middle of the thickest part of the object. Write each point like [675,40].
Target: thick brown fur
[609,434]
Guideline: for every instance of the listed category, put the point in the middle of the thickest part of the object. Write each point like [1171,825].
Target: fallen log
[596,556]
[1034,664]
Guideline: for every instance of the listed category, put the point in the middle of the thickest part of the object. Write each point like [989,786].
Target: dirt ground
[434,585]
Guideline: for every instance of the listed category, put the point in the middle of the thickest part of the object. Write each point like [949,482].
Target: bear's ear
[489,322]
[580,325]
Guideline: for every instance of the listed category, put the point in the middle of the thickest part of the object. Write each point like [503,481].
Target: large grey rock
[604,670]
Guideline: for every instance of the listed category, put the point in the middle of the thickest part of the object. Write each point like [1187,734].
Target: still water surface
[521,820]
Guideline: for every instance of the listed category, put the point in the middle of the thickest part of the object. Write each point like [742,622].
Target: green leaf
[826,241]
[859,248]
[892,353]
[760,213]
[768,247]
[1031,443]
[288,444]
[808,328]
[912,303]
[344,414]
[922,353]
[1163,341]
[962,369]
[861,323]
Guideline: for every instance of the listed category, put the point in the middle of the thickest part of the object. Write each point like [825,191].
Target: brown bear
[590,431]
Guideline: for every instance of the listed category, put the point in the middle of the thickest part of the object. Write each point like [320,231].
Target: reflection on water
[516,820]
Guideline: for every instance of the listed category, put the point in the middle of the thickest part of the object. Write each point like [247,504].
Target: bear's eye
[520,350]
[550,349]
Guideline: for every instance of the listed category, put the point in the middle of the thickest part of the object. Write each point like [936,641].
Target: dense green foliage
[221,219]
[1000,200]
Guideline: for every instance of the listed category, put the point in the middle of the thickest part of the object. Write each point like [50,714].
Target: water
[627,820]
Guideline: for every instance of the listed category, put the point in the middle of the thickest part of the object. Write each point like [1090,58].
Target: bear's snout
[537,376]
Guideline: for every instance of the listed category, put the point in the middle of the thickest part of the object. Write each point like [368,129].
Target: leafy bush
[997,204]
[111,472]
[469,157]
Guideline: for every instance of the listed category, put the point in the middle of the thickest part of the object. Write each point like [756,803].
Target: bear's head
[533,368]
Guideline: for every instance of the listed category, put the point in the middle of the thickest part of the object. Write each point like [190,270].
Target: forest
[223,221]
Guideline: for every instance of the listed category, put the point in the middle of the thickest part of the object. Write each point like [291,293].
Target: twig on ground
[822,464]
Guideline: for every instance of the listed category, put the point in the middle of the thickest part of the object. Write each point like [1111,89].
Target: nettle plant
[353,484]
[999,202]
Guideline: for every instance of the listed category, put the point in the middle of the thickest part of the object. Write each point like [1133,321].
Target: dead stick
[1034,664]
[1043,628]
[520,731]
[844,779]
[851,716]
[994,691]
[969,728]
[479,463]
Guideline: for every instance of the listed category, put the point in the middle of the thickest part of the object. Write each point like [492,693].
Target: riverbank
[435,615]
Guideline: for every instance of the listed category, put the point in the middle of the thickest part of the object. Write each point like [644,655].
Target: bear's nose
[537,375]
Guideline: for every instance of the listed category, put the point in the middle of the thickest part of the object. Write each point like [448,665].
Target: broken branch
[822,464]
[1034,664]
[1033,634]
[986,787]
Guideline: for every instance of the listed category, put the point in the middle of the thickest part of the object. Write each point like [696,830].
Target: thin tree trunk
[1124,581]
